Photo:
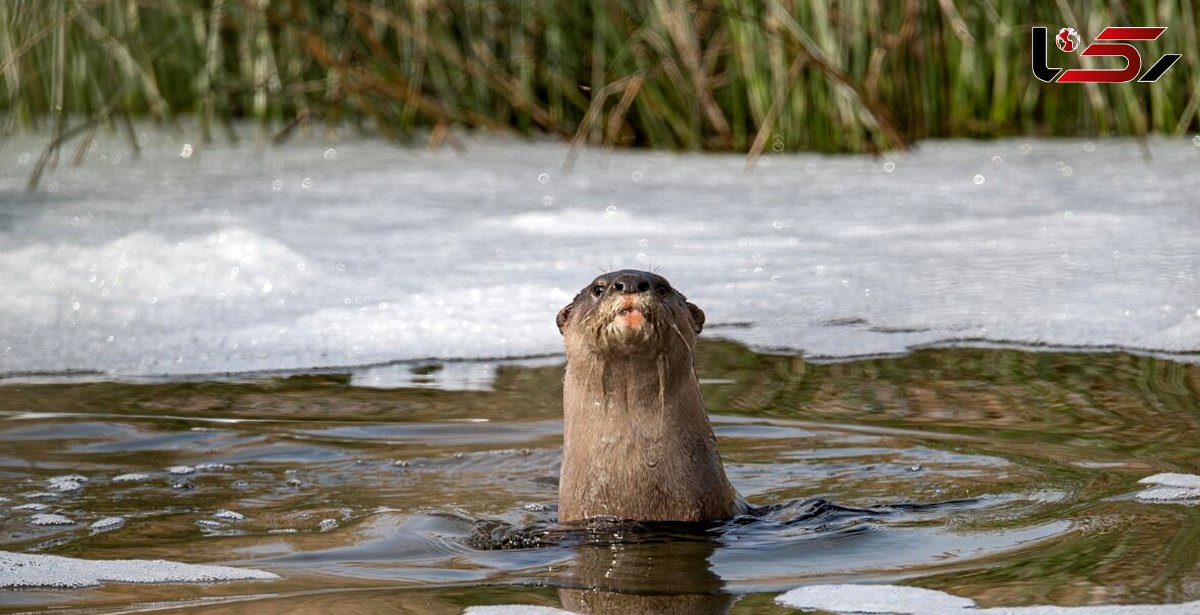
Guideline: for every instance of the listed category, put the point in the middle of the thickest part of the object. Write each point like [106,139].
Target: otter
[637,443]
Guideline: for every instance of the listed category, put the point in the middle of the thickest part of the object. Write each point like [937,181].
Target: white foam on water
[1170,487]
[848,598]
[51,519]
[26,571]
[902,600]
[64,485]
[1172,479]
[514,609]
[107,523]
[1168,494]
[171,266]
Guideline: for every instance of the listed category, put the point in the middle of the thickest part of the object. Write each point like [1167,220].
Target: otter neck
[638,443]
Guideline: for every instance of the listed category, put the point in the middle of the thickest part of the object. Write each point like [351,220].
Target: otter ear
[563,315]
[697,316]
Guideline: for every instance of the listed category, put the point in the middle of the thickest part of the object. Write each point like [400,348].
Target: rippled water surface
[1002,475]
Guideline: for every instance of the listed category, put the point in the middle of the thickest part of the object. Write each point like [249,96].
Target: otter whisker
[680,334]
[662,388]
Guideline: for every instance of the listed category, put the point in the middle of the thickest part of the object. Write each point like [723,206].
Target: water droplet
[234,272]
[328,524]
[75,306]
[1126,312]
[267,287]
[637,176]
[777,146]
[777,224]
[997,160]
[277,185]
[24,157]
[1026,148]
[1116,254]
[1089,146]
[1197,313]
[889,166]
[186,152]
[301,266]
[543,178]
[307,183]
[111,338]
[340,266]
[979,179]
[559,266]
[331,154]
[1069,215]
[1196,140]
[810,168]
[547,201]
[610,212]
[1166,308]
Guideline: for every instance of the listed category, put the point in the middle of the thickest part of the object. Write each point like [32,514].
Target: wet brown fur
[637,440]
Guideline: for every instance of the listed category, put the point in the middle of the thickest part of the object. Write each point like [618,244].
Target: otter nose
[630,283]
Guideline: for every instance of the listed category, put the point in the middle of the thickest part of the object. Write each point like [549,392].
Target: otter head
[629,312]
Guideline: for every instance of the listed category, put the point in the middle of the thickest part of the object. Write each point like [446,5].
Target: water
[1001,475]
[354,381]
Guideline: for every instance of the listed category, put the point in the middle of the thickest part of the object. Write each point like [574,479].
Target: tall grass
[848,75]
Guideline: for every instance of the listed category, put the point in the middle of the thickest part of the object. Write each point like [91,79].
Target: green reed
[848,75]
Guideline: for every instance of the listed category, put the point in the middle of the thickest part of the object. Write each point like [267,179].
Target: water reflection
[669,575]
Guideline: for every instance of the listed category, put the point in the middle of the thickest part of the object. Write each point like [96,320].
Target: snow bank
[24,571]
[246,259]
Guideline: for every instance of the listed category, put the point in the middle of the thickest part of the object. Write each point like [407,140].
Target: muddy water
[1001,475]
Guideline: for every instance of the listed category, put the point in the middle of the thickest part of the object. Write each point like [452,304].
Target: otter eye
[598,290]
[663,291]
